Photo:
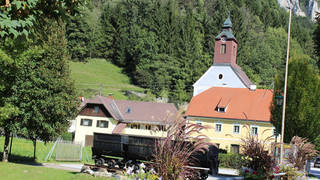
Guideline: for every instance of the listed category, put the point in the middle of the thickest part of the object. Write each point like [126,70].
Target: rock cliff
[311,7]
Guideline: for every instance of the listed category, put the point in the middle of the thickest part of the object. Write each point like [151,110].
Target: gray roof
[239,72]
[136,111]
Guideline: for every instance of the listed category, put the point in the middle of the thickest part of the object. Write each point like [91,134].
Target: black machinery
[107,147]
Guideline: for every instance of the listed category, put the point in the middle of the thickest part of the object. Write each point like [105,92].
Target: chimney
[253,87]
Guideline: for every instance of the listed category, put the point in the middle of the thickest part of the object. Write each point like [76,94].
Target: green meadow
[100,75]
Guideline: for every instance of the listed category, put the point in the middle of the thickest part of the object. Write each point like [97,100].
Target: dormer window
[223,49]
[223,105]
[221,109]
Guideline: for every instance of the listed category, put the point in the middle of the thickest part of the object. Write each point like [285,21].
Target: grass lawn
[15,171]
[22,151]
[98,73]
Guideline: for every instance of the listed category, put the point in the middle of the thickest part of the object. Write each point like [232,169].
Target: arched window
[223,49]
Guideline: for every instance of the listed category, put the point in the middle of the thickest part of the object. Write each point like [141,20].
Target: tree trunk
[6,146]
[34,149]
[10,146]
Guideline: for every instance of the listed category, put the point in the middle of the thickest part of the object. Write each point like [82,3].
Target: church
[225,100]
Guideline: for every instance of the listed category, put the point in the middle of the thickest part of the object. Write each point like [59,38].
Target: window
[223,49]
[218,127]
[135,126]
[234,50]
[236,129]
[274,132]
[102,124]
[220,109]
[148,127]
[235,148]
[220,76]
[96,109]
[254,130]
[86,122]
[161,128]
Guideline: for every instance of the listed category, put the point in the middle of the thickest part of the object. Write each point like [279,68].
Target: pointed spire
[227,23]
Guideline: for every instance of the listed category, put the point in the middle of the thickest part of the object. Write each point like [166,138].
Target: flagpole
[285,90]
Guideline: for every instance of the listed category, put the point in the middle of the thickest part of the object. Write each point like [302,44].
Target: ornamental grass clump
[174,153]
[259,160]
[301,150]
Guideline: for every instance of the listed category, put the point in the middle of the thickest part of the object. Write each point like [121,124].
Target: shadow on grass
[21,160]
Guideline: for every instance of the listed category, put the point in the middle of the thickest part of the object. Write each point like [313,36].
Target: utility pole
[285,88]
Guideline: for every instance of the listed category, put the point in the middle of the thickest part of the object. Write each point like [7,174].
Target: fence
[68,151]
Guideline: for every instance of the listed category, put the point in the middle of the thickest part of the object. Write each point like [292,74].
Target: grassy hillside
[99,74]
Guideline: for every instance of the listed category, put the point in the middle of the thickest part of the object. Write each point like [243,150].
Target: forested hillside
[166,45]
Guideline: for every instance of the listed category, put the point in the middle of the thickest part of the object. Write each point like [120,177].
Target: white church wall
[217,76]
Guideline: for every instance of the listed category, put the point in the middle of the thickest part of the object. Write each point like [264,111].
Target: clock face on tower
[223,39]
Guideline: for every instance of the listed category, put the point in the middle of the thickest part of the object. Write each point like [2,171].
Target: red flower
[254,172]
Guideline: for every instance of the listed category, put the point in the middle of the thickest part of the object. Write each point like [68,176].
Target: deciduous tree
[303,100]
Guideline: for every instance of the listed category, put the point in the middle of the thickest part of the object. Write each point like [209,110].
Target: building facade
[227,102]
[106,115]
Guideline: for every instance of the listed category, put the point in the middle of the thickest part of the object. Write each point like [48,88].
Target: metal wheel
[99,162]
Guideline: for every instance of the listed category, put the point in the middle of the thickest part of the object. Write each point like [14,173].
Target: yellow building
[231,114]
[106,115]
[226,101]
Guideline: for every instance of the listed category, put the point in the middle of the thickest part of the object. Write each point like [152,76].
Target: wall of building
[228,137]
[144,132]
[81,131]
[211,79]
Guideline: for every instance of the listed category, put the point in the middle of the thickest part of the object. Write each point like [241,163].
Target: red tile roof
[240,103]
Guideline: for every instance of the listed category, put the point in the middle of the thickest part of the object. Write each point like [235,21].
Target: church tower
[224,71]
[225,49]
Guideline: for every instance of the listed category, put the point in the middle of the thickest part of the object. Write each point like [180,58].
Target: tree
[18,17]
[317,39]
[7,76]
[303,100]
[43,90]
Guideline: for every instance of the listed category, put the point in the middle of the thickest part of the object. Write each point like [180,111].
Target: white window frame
[239,129]
[254,126]
[215,127]
[99,122]
[82,122]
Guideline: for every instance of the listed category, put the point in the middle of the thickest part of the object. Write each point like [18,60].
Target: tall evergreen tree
[317,39]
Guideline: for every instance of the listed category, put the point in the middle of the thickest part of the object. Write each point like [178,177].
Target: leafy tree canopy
[303,100]
[17,17]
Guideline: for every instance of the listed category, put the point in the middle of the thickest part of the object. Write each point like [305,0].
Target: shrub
[259,159]
[67,136]
[290,170]
[173,153]
[230,160]
[301,150]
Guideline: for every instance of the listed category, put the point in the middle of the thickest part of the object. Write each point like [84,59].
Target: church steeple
[225,50]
